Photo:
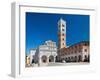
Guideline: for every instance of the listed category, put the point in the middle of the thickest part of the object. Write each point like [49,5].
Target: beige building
[27,60]
[75,53]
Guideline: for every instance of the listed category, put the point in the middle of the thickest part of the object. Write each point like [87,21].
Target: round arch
[44,59]
[75,58]
[85,58]
[79,58]
[51,58]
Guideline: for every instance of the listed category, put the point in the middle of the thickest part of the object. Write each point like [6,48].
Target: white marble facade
[44,54]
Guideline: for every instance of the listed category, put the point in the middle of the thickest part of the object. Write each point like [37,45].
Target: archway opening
[79,58]
[44,59]
[75,59]
[72,59]
[86,58]
[51,58]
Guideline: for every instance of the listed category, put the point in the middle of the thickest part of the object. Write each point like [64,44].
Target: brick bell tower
[61,34]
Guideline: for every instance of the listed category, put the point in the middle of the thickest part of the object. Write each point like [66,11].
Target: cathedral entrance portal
[44,59]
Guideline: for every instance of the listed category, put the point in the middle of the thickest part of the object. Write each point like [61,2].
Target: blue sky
[43,26]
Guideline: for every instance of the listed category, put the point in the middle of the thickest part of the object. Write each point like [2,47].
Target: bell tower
[61,34]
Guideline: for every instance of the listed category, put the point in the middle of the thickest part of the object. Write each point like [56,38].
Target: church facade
[43,55]
[46,53]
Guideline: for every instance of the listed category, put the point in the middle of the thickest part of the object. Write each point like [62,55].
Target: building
[75,53]
[61,34]
[27,60]
[32,56]
[43,55]
[46,53]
